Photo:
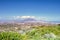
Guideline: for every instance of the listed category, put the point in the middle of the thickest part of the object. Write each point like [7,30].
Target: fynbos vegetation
[10,32]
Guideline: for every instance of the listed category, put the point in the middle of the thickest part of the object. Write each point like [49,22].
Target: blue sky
[41,9]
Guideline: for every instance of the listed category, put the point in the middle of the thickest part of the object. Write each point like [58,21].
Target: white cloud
[16,17]
[35,17]
[19,17]
[27,17]
[22,17]
[12,17]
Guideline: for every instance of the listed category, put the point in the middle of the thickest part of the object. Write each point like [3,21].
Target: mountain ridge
[27,20]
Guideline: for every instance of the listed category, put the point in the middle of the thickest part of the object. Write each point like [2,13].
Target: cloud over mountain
[27,17]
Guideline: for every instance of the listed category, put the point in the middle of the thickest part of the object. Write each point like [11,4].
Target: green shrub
[10,36]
